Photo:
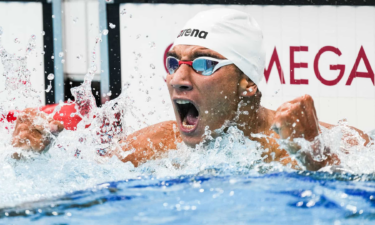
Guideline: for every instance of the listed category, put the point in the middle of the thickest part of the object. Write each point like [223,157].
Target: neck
[257,120]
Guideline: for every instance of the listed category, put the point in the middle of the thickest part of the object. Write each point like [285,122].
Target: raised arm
[298,119]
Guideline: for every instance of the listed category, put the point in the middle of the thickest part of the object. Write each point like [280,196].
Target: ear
[246,87]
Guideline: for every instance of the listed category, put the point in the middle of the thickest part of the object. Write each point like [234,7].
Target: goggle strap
[221,64]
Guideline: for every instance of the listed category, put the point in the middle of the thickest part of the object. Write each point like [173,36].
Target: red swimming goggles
[205,66]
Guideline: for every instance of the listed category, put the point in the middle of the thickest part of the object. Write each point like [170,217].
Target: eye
[172,65]
[204,66]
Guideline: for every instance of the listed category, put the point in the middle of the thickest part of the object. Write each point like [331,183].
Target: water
[223,181]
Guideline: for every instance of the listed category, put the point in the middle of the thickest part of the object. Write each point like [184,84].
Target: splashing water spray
[57,171]
[17,78]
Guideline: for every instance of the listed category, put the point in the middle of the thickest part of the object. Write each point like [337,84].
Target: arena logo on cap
[193,33]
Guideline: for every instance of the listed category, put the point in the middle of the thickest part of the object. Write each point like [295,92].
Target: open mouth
[189,115]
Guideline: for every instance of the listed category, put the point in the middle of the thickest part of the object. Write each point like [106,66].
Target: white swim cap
[233,34]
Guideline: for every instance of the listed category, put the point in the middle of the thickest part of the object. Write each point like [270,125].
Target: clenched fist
[297,119]
[33,130]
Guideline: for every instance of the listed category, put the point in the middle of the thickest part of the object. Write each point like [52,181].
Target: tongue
[192,117]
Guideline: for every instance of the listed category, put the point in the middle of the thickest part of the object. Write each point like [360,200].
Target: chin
[191,141]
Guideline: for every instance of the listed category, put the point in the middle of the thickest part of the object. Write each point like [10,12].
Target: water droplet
[43,33]
[52,57]
[152,44]
[206,112]
[61,54]
[93,68]
[109,93]
[63,61]
[49,88]
[50,76]
[112,26]
[152,66]
[75,20]
[294,124]
[53,16]
[105,32]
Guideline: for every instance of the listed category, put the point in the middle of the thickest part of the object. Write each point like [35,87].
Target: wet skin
[219,95]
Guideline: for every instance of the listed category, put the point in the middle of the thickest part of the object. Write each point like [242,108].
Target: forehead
[193,51]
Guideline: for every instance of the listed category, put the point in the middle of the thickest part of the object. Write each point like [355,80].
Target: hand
[297,119]
[33,130]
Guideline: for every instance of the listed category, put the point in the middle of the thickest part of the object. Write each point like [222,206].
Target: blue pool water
[273,198]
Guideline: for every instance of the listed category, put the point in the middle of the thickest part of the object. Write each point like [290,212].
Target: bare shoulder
[151,142]
[326,125]
[360,132]
[165,128]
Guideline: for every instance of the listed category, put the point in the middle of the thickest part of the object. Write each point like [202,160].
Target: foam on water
[73,162]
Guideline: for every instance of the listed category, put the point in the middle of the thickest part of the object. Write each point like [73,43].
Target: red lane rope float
[63,115]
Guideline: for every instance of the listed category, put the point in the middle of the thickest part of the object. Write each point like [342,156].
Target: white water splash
[18,90]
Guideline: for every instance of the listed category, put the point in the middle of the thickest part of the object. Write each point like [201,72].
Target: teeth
[182,102]
[184,124]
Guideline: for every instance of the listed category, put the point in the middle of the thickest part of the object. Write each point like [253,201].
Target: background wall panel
[347,28]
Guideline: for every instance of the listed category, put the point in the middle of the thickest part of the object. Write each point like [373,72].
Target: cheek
[167,82]
[219,98]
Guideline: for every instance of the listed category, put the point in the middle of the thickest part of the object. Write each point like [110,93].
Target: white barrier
[325,51]
[81,28]
[19,21]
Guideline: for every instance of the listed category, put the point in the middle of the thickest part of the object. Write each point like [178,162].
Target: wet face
[198,100]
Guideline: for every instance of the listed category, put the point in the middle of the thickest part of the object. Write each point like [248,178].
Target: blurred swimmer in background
[215,66]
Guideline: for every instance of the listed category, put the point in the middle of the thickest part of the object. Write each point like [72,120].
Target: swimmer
[215,66]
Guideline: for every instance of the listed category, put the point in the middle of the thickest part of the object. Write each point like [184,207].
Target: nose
[181,79]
